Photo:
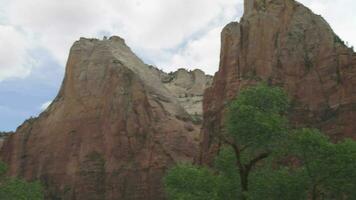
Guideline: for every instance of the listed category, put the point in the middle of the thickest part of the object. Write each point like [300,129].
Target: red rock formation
[110,134]
[188,87]
[285,44]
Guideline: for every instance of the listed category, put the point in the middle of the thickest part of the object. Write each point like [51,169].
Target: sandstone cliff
[283,43]
[188,87]
[118,124]
[111,132]
[3,136]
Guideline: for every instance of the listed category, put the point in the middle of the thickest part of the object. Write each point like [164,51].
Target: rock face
[188,87]
[3,136]
[283,43]
[111,132]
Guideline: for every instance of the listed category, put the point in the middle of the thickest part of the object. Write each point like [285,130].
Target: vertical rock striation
[283,43]
[111,132]
[3,136]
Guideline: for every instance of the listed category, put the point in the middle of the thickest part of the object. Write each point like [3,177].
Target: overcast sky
[35,37]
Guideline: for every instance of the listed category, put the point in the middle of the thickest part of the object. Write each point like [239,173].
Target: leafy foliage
[275,184]
[329,169]
[17,189]
[264,159]
[256,125]
[187,182]
[3,169]
[228,178]
[256,117]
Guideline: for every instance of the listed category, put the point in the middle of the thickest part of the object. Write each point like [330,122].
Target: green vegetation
[17,189]
[337,39]
[263,158]
[329,170]
[197,183]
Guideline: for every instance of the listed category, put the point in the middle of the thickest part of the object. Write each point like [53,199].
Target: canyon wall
[282,43]
[112,131]
[118,124]
[188,87]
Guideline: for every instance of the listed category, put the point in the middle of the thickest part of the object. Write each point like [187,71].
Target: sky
[36,35]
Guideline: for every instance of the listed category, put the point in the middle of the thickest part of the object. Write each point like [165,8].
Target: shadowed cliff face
[283,43]
[3,136]
[111,132]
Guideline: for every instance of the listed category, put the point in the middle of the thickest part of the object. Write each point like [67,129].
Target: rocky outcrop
[188,87]
[111,132]
[283,43]
[3,136]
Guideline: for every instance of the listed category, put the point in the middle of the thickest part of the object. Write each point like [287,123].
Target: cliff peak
[112,131]
[283,43]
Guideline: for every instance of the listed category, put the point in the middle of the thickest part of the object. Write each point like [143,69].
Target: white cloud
[148,26]
[339,14]
[162,24]
[45,105]
[14,61]
[171,33]
[202,53]
[57,24]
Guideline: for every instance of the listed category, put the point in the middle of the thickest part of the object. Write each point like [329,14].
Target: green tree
[262,158]
[277,184]
[190,182]
[256,127]
[17,189]
[329,169]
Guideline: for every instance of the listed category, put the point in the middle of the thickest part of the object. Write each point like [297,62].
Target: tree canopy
[18,189]
[264,158]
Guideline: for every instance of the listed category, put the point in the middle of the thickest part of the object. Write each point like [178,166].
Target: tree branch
[236,151]
[256,160]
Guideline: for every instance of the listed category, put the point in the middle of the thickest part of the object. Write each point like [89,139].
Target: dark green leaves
[256,117]
[187,182]
[262,158]
[228,177]
[17,189]
[3,169]
[264,98]
[329,168]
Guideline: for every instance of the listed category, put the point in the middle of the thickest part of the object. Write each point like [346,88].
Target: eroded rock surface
[111,133]
[3,136]
[188,87]
[283,43]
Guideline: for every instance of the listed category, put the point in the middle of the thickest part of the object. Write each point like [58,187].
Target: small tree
[17,189]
